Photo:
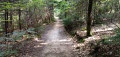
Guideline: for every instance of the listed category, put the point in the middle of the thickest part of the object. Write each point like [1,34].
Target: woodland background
[25,19]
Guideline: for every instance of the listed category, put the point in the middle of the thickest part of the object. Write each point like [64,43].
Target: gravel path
[55,42]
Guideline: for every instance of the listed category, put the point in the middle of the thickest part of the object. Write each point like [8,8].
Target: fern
[15,36]
[8,53]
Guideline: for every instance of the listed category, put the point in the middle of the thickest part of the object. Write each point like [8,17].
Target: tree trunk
[20,27]
[51,15]
[65,11]
[89,20]
[11,26]
[65,14]
[6,22]
[11,17]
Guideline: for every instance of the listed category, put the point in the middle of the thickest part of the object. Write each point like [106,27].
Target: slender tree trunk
[89,20]
[11,17]
[65,11]
[20,27]
[11,26]
[6,21]
[50,13]
[65,14]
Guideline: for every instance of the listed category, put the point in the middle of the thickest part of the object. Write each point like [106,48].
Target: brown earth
[54,42]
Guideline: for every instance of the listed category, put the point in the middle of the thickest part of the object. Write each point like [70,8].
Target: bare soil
[54,42]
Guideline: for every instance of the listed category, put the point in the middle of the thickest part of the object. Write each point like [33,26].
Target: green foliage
[18,35]
[31,30]
[81,40]
[84,29]
[71,23]
[8,53]
[41,28]
[115,39]
[2,45]
[105,9]
[2,39]
[67,21]
[70,13]
[15,36]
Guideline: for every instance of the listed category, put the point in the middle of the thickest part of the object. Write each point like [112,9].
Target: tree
[89,20]
[6,20]
[65,10]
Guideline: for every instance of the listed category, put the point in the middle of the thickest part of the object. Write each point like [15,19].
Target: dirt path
[55,42]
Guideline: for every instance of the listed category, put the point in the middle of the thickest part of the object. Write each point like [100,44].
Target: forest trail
[55,42]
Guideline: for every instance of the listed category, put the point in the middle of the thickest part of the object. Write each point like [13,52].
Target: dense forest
[59,28]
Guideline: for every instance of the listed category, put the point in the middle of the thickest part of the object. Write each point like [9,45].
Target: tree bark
[89,20]
[65,11]
[20,27]
[11,26]
[6,22]
[11,17]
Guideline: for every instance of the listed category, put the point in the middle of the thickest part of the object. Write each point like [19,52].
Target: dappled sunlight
[92,39]
[60,40]
[37,39]
[43,43]
[38,46]
[59,28]
[57,42]
[105,27]
[58,24]
[102,30]
[65,40]
[79,45]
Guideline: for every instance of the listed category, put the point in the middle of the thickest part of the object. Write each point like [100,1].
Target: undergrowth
[7,43]
[113,40]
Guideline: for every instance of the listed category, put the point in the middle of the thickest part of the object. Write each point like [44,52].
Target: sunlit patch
[39,21]
[44,24]
[65,40]
[37,39]
[37,46]
[93,38]
[43,43]
[79,45]
[100,30]
[58,25]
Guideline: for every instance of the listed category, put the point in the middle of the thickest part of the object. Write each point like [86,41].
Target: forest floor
[94,47]
[54,42]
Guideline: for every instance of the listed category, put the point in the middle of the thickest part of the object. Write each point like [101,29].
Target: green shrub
[8,53]
[115,39]
[13,37]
